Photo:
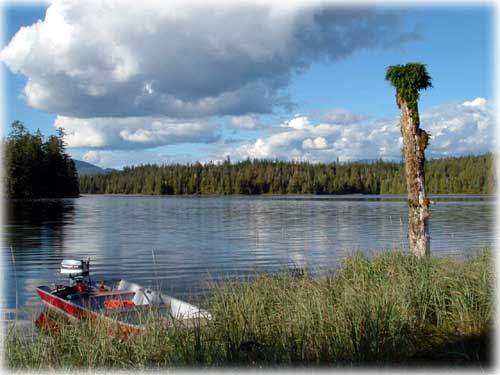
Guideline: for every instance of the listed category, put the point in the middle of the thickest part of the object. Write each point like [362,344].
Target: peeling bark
[414,157]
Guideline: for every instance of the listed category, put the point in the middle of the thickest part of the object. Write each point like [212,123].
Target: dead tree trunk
[414,158]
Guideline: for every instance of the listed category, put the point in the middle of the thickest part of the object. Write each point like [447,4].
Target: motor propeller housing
[77,270]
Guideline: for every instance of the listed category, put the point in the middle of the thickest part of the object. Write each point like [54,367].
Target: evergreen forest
[38,167]
[467,174]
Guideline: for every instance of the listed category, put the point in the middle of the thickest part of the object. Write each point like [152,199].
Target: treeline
[36,167]
[468,174]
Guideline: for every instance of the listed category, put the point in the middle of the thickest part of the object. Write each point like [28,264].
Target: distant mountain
[86,169]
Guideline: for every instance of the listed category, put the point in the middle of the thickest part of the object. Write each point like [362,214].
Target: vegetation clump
[391,309]
[408,80]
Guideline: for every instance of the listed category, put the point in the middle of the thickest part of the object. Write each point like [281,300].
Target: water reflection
[38,223]
[48,322]
[34,236]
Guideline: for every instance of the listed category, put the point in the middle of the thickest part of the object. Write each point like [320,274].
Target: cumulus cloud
[133,132]
[118,58]
[460,129]
[457,129]
[318,143]
[301,140]
[297,123]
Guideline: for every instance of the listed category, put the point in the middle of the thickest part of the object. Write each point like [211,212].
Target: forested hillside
[468,174]
[84,168]
[36,167]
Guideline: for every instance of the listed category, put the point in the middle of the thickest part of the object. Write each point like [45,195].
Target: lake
[182,243]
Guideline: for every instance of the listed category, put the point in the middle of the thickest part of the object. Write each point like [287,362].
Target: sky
[155,82]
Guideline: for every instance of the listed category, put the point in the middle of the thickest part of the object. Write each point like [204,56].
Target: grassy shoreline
[387,310]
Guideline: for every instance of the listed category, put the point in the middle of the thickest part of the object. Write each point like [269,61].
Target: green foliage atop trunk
[408,80]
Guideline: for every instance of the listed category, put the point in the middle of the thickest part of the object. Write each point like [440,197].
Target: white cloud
[118,58]
[478,102]
[244,122]
[457,129]
[93,157]
[318,143]
[119,158]
[340,116]
[298,123]
[460,129]
[133,132]
[324,142]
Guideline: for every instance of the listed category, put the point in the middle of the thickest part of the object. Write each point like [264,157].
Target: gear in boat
[121,302]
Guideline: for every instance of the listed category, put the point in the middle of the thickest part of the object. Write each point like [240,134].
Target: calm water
[181,243]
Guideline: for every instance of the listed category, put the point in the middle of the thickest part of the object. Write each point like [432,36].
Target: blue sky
[456,44]
[17,17]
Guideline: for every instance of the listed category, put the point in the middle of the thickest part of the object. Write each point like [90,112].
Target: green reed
[386,309]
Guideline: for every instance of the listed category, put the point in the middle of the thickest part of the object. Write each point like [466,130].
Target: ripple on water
[183,242]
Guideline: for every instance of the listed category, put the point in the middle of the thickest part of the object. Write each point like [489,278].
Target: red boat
[123,304]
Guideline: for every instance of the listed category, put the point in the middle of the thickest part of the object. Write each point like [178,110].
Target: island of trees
[468,174]
[38,167]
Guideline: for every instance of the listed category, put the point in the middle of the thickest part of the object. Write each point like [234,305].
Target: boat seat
[147,297]
[112,293]
[139,298]
[135,309]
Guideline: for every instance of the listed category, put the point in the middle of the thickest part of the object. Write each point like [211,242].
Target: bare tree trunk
[418,204]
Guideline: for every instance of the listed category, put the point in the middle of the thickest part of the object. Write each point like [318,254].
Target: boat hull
[66,307]
[74,311]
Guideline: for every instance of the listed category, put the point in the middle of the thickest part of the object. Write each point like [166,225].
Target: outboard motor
[78,272]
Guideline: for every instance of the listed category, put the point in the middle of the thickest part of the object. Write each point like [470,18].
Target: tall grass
[388,309]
